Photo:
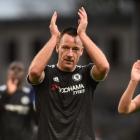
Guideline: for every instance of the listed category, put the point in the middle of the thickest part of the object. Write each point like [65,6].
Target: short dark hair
[16,64]
[70,31]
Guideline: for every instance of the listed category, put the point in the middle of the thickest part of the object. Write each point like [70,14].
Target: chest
[18,98]
[67,84]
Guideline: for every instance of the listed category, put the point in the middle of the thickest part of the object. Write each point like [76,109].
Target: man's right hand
[53,27]
[12,85]
[135,73]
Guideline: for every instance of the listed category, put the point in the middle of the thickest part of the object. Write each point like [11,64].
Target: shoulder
[49,68]
[3,88]
[86,70]
[26,90]
[28,93]
[85,67]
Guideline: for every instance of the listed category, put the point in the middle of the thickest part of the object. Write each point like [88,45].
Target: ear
[57,47]
[81,51]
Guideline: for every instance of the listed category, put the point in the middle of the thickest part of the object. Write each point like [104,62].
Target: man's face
[16,71]
[69,51]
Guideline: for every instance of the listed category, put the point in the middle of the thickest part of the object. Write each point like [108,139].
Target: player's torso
[63,88]
[65,101]
[19,102]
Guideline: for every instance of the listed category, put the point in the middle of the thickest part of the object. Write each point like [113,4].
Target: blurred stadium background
[114,25]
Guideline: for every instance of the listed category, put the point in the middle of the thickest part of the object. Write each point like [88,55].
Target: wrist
[134,81]
[55,36]
[82,34]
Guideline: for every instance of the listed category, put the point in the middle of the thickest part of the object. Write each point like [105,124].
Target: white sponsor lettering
[76,89]
[17,108]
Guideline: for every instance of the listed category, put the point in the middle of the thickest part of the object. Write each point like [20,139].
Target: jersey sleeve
[41,82]
[39,87]
[88,75]
[3,96]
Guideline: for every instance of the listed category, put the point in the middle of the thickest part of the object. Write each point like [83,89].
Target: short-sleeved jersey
[64,101]
[16,112]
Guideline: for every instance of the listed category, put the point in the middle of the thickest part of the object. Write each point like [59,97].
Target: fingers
[54,18]
[83,21]
[16,81]
[137,64]
[138,61]
[53,27]
[13,81]
[12,85]
[82,13]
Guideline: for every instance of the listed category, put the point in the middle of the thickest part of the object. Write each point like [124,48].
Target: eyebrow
[73,47]
[18,67]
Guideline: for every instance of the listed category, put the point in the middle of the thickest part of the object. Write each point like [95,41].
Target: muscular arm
[101,66]
[127,103]
[36,69]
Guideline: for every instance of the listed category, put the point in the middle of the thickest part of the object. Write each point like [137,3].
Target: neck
[65,69]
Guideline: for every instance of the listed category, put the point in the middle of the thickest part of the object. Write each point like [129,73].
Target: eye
[12,68]
[75,49]
[64,47]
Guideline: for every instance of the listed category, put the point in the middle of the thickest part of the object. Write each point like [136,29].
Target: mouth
[69,61]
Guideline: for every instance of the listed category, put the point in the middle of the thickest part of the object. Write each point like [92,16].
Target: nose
[70,52]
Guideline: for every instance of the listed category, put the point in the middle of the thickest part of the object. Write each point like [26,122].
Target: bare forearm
[41,59]
[126,99]
[94,53]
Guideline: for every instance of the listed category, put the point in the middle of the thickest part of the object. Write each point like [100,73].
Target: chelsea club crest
[77,77]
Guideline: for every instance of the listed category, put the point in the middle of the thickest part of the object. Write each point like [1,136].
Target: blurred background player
[16,108]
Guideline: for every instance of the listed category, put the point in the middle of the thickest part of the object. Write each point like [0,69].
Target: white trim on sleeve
[92,76]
